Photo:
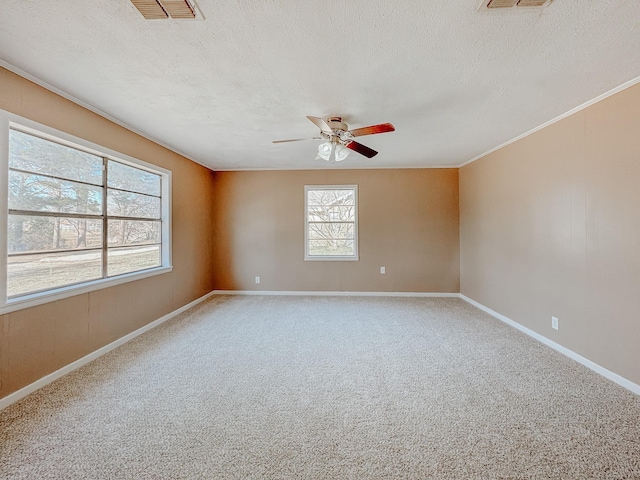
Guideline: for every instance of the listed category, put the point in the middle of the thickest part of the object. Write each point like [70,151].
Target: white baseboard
[333,293]
[23,392]
[614,377]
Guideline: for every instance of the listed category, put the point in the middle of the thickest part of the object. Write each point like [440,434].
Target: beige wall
[408,222]
[37,341]
[550,225]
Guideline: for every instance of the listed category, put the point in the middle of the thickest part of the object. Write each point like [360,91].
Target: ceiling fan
[339,139]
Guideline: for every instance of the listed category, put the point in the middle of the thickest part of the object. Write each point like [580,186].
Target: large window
[331,227]
[78,215]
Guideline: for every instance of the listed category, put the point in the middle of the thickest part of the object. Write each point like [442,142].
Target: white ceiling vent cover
[509,4]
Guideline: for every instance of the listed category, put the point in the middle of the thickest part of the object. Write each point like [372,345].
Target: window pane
[331,197]
[331,231]
[331,247]
[30,273]
[34,154]
[133,232]
[130,178]
[28,233]
[131,259]
[45,194]
[322,213]
[127,204]
[331,222]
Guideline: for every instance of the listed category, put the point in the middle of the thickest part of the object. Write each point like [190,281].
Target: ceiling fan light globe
[341,152]
[324,148]
[324,151]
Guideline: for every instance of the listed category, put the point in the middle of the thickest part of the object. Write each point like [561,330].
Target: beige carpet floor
[326,388]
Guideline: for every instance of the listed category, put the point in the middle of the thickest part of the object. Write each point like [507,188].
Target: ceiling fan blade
[321,124]
[361,149]
[380,128]
[297,140]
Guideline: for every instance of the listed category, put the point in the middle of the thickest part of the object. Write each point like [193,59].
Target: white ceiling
[454,81]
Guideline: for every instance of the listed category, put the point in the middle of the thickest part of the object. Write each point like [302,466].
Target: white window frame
[11,121]
[334,258]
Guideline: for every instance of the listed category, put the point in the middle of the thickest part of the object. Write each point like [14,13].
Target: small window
[78,216]
[331,222]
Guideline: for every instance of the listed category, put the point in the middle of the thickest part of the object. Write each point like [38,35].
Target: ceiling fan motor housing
[336,124]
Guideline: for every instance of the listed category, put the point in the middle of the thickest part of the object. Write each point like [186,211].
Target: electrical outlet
[382,270]
[257,279]
[554,323]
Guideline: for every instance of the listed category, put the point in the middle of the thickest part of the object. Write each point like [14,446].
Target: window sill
[34,299]
[331,259]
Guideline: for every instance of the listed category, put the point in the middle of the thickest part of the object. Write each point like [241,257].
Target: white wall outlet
[554,323]
[382,270]
[257,279]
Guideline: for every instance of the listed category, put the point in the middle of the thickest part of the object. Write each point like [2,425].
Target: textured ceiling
[454,81]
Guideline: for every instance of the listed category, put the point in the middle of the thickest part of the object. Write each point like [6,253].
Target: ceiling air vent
[534,3]
[158,9]
[501,3]
[179,8]
[495,4]
[150,9]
